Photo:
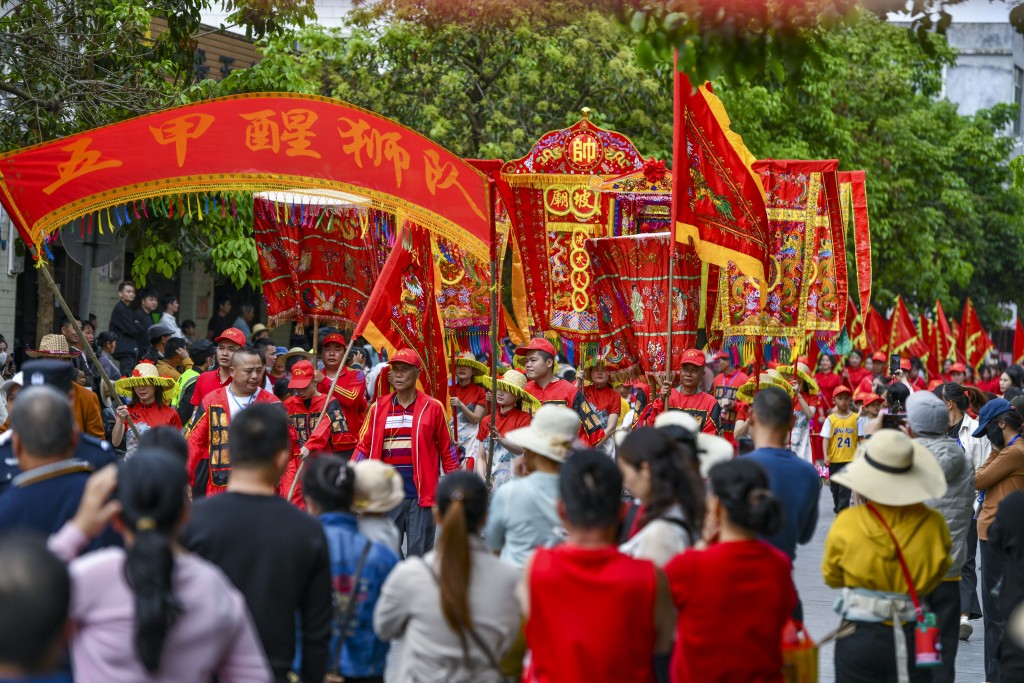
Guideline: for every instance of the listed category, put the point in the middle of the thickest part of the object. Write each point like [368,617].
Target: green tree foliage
[944,222]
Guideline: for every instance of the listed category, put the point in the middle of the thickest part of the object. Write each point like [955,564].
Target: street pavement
[821,620]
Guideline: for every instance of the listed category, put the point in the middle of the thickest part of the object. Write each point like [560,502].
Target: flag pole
[495,285]
[90,354]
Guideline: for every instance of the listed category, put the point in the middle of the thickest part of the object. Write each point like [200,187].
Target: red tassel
[234,211]
[223,210]
[170,209]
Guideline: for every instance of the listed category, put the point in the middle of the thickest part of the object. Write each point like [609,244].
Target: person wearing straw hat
[688,397]
[84,404]
[209,458]
[805,406]
[228,342]
[468,400]
[603,398]
[147,407]
[745,397]
[511,397]
[311,434]
[524,513]
[884,554]
[292,356]
[349,390]
[539,366]
[408,430]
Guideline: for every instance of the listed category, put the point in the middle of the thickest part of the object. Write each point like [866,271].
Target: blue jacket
[363,653]
[90,449]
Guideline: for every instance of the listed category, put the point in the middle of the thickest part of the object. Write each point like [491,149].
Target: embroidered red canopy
[266,141]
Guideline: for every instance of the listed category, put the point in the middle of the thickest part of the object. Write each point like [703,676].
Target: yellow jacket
[859,553]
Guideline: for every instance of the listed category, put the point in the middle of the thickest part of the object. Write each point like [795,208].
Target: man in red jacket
[209,462]
[350,389]
[409,431]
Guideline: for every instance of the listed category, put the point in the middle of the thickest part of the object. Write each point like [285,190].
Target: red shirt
[827,382]
[472,394]
[591,616]
[351,394]
[725,386]
[506,422]
[560,392]
[734,600]
[701,406]
[154,415]
[605,401]
[207,382]
[856,376]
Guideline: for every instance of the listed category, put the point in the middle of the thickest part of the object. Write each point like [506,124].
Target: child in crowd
[839,436]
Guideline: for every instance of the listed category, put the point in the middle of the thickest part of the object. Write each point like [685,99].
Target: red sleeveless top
[591,616]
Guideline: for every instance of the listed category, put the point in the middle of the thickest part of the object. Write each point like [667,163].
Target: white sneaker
[965,628]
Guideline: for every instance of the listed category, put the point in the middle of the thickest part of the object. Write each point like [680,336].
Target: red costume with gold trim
[350,391]
[209,461]
[330,435]
[702,406]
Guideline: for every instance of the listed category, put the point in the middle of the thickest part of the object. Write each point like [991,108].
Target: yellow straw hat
[803,372]
[144,375]
[52,346]
[772,378]
[514,382]
[466,360]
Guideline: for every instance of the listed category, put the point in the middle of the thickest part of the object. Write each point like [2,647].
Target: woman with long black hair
[653,470]
[453,612]
[151,611]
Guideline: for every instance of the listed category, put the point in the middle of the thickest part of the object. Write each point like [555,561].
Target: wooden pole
[323,411]
[671,315]
[495,285]
[316,341]
[48,277]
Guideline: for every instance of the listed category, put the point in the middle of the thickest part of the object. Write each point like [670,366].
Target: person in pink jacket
[151,611]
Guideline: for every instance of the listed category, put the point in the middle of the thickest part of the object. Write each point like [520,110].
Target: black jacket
[132,328]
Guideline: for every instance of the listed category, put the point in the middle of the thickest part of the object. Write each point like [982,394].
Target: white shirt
[168,319]
[237,404]
[978,448]
[661,540]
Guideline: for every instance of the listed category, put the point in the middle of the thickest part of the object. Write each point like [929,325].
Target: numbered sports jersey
[841,433]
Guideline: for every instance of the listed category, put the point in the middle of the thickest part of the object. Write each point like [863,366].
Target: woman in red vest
[735,596]
[593,614]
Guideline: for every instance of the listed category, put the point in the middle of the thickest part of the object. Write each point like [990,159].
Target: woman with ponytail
[453,611]
[735,594]
[151,611]
[358,569]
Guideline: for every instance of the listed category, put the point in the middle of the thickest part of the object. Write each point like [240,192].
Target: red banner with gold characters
[973,343]
[402,310]
[630,288]
[854,199]
[256,142]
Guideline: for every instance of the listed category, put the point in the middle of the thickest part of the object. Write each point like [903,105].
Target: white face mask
[3,357]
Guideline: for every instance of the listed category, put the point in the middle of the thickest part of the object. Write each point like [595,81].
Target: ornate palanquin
[554,209]
[807,287]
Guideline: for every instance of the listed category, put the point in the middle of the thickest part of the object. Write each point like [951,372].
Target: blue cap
[280,350]
[990,411]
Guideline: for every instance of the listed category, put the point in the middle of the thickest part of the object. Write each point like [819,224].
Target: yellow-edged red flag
[973,343]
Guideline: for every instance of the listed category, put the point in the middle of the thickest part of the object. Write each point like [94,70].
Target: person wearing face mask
[1001,474]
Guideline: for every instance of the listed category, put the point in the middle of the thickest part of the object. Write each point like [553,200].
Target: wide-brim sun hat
[379,488]
[598,362]
[144,375]
[17,380]
[893,469]
[552,434]
[466,360]
[513,382]
[802,371]
[748,390]
[711,449]
[52,346]
[295,351]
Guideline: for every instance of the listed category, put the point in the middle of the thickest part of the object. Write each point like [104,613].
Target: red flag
[718,201]
[903,335]
[931,360]
[402,310]
[855,325]
[876,329]
[944,341]
[973,343]
[1018,344]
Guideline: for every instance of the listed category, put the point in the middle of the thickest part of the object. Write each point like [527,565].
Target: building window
[1018,98]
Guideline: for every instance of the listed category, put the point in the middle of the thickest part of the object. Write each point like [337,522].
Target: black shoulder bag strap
[350,607]
[491,659]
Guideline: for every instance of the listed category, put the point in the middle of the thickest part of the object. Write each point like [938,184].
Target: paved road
[820,619]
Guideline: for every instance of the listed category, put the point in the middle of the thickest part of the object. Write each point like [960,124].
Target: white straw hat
[379,487]
[893,469]
[552,433]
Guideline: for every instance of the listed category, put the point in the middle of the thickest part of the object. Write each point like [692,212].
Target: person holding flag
[468,400]
[688,397]
[728,380]
[603,398]
[349,390]
[408,430]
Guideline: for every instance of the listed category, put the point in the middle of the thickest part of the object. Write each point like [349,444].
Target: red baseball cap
[233,335]
[407,356]
[870,398]
[722,355]
[692,357]
[334,338]
[842,389]
[957,367]
[904,365]
[302,375]
[879,356]
[537,344]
